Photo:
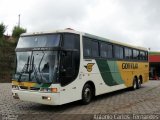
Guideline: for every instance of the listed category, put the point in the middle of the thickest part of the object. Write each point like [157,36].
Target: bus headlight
[15,87]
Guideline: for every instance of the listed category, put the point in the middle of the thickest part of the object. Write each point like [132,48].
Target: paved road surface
[142,101]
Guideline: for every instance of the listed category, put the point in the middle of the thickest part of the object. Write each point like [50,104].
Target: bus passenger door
[66,68]
[69,67]
[68,73]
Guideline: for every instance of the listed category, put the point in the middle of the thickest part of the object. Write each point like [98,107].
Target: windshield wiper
[28,67]
[40,65]
[25,69]
[33,69]
[40,62]
[31,64]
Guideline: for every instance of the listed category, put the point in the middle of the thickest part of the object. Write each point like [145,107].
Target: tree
[2,30]
[17,31]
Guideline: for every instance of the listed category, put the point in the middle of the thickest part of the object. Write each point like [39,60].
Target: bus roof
[51,32]
[69,30]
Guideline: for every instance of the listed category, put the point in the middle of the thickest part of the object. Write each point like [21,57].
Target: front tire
[87,94]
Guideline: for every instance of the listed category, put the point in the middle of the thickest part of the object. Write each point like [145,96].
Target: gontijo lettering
[129,65]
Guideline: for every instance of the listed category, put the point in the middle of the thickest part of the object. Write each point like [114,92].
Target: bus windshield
[37,66]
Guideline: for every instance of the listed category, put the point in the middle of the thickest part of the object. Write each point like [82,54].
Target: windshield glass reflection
[36,66]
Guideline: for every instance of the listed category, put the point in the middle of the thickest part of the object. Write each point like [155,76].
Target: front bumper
[37,97]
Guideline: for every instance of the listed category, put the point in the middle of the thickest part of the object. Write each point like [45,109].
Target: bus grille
[29,88]
[24,87]
[34,88]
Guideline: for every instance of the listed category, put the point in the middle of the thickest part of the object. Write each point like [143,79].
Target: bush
[17,31]
[2,30]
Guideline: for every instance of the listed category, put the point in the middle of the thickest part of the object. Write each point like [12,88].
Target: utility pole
[19,20]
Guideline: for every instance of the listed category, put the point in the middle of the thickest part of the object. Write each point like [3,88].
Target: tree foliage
[2,30]
[17,31]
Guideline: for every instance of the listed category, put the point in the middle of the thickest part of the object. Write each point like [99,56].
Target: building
[154,63]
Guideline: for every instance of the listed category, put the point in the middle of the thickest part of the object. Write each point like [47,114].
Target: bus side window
[118,52]
[142,55]
[109,51]
[128,53]
[136,55]
[95,49]
[90,48]
[87,47]
[106,50]
[103,51]
[71,41]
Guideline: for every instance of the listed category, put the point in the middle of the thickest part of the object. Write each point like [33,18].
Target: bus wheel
[135,84]
[87,94]
[139,84]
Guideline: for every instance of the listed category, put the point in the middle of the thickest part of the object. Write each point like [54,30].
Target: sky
[135,22]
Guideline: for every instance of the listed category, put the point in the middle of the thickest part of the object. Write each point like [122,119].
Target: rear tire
[135,84]
[87,94]
[139,84]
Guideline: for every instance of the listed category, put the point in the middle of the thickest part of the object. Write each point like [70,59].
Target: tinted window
[90,47]
[128,53]
[95,51]
[103,51]
[118,52]
[87,48]
[39,41]
[135,54]
[142,55]
[71,41]
[109,51]
[106,50]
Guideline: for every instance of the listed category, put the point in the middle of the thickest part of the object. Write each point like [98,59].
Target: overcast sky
[135,22]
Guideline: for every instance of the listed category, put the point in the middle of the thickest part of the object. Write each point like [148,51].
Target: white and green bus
[63,66]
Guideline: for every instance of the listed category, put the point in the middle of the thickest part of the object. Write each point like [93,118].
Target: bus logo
[89,67]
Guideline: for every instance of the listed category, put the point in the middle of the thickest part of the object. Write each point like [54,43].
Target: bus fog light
[46,98]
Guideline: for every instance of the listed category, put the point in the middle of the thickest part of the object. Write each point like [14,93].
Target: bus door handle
[74,88]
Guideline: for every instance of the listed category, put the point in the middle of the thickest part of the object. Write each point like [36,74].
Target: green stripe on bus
[116,75]
[106,72]
[109,72]
[46,85]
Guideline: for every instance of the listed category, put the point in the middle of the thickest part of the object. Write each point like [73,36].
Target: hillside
[7,58]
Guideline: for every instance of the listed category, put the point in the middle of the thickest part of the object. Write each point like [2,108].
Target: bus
[63,66]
